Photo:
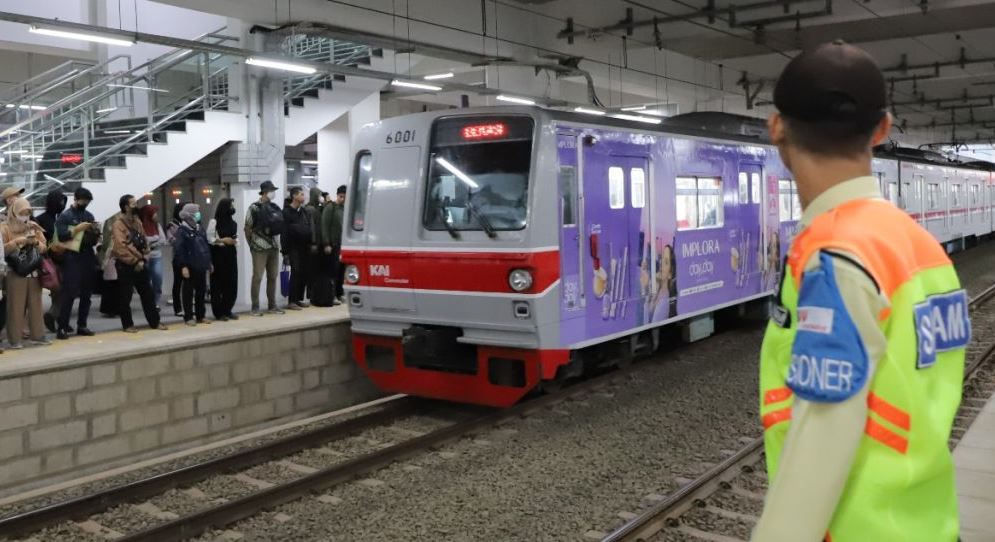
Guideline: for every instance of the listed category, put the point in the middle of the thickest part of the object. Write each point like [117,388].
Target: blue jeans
[155,273]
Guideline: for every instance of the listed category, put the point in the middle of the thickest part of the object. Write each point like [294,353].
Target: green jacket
[331,225]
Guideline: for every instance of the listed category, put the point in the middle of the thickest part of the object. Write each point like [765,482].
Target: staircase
[119,129]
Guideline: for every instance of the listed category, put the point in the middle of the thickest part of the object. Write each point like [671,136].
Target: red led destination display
[485,131]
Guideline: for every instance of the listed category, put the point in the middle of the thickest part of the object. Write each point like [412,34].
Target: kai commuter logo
[942,324]
[379,270]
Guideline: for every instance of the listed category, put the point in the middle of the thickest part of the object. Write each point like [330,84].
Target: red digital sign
[485,131]
[71,159]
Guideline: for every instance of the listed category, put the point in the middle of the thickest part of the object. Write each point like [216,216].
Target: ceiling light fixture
[85,36]
[309,162]
[412,84]
[638,118]
[587,111]
[26,106]
[435,76]
[634,108]
[280,65]
[515,99]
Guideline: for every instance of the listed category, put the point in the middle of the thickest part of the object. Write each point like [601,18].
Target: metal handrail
[28,82]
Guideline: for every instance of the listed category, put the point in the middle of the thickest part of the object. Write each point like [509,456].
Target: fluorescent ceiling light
[19,151]
[278,65]
[85,36]
[435,76]
[106,110]
[119,85]
[36,156]
[515,99]
[638,118]
[587,111]
[307,176]
[26,106]
[456,171]
[117,131]
[309,162]
[412,84]
[634,108]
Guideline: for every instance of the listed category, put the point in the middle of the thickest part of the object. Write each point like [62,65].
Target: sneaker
[276,310]
[70,329]
[294,307]
[131,330]
[17,346]
[233,317]
[49,321]
[341,298]
[203,321]
[256,311]
[162,327]
[223,319]
[303,304]
[44,341]
[83,332]
[336,302]
[62,335]
[190,323]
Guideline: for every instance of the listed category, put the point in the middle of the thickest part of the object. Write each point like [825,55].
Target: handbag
[109,269]
[285,281]
[49,276]
[25,261]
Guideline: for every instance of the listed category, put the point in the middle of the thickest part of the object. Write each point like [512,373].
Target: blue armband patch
[828,360]
[942,324]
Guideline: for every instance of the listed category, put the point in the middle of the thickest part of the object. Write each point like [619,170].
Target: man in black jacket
[55,203]
[297,240]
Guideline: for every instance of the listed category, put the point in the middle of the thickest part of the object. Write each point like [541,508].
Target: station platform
[974,458]
[91,403]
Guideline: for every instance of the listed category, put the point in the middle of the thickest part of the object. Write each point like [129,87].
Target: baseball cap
[11,191]
[833,82]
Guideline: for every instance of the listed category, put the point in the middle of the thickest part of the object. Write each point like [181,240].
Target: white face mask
[24,218]
[271,196]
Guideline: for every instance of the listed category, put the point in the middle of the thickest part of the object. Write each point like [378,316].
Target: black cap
[341,190]
[267,186]
[83,193]
[832,82]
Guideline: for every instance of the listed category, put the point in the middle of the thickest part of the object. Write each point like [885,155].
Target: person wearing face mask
[222,233]
[154,237]
[9,196]
[263,227]
[55,204]
[171,230]
[193,255]
[23,291]
[131,263]
[79,266]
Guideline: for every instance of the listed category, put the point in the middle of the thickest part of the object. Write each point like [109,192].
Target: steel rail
[665,513]
[87,505]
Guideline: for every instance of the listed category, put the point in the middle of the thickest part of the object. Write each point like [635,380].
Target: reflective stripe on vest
[901,484]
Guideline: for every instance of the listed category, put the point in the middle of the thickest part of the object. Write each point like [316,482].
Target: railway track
[740,478]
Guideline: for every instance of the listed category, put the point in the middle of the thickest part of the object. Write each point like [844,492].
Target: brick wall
[104,411]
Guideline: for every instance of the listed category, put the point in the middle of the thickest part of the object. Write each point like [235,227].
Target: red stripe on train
[453,271]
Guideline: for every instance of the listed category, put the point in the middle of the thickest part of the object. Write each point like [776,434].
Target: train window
[893,193]
[789,207]
[755,180]
[933,195]
[568,195]
[616,187]
[744,188]
[478,181]
[955,195]
[699,202]
[637,187]
[362,174]
[906,195]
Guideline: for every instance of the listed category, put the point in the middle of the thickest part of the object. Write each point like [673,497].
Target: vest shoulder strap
[887,243]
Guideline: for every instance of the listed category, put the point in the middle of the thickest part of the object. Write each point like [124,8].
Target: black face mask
[231,212]
[81,206]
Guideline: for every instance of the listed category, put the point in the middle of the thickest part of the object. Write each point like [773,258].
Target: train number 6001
[401,137]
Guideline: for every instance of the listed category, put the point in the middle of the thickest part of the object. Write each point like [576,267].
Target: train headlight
[352,274]
[520,280]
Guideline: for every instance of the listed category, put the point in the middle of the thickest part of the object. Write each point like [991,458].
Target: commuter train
[493,251]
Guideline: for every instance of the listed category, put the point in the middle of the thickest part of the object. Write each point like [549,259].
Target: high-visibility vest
[901,484]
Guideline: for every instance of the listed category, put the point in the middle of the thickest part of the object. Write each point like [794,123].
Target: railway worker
[862,363]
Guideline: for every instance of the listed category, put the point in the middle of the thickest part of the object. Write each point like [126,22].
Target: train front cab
[451,282]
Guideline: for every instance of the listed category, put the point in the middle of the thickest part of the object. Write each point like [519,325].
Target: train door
[574,296]
[751,246]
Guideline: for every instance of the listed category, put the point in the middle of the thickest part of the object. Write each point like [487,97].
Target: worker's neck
[815,174]
[295,204]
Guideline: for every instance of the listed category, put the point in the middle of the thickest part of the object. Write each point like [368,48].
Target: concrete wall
[81,415]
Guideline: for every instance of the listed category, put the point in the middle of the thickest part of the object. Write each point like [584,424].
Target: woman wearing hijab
[55,203]
[23,292]
[154,237]
[222,233]
[171,230]
[193,255]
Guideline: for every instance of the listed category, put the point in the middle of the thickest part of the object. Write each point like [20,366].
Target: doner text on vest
[942,324]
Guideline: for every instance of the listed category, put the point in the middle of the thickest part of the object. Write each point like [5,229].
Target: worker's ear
[882,130]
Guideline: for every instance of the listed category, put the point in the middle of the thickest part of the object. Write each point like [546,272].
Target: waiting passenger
[171,229]
[24,246]
[108,278]
[331,228]
[55,203]
[130,253]
[155,237]
[263,226]
[222,233]
[79,233]
[193,255]
[296,246]
[315,259]
[9,196]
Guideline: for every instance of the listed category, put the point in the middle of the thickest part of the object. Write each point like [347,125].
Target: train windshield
[479,174]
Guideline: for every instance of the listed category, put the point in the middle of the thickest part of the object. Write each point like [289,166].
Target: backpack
[267,219]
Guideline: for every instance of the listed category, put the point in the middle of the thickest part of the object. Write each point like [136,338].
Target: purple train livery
[493,251]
